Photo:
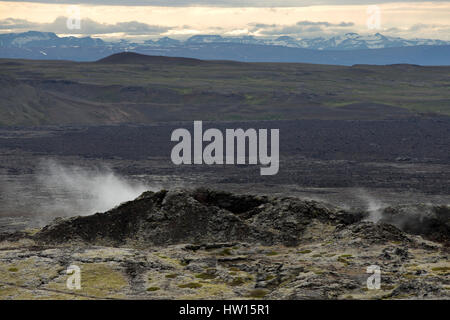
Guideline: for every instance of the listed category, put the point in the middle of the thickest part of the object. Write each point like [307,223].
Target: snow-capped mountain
[45,39]
[349,41]
[167,42]
[347,49]
[352,41]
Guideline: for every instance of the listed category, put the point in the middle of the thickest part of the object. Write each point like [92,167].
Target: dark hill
[207,216]
[136,58]
[199,216]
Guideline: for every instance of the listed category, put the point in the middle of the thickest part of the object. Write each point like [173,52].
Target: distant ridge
[135,88]
[136,58]
[345,50]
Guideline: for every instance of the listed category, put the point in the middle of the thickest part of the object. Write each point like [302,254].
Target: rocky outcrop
[372,233]
[431,222]
[199,216]
[206,216]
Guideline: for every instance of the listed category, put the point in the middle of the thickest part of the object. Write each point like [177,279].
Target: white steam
[86,190]
[373,206]
[57,190]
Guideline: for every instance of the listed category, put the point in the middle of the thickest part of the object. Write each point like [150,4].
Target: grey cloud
[421,30]
[429,30]
[419,27]
[301,28]
[88,27]
[11,23]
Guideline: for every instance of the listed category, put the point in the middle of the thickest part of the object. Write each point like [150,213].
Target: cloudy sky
[144,19]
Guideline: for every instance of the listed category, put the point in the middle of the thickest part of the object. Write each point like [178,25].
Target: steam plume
[62,191]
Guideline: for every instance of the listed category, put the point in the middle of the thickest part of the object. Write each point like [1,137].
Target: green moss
[98,280]
[318,272]
[349,256]
[32,231]
[190,285]
[257,293]
[441,269]
[304,251]
[342,260]
[238,281]
[101,280]
[272,253]
[171,276]
[153,289]
[270,277]
[7,292]
[235,269]
[26,270]
[225,252]
[205,276]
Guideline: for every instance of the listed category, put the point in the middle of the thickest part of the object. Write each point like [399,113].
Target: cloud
[135,28]
[222,3]
[303,29]
[431,31]
[88,27]
[11,23]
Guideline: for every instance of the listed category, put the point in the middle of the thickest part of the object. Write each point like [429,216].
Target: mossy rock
[99,280]
[150,289]
[258,293]
[226,252]
[441,269]
[238,281]
[205,276]
[190,285]
[342,260]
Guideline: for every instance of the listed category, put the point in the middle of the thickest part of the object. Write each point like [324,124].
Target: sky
[149,19]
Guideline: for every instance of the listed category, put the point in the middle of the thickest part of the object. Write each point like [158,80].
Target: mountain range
[349,41]
[347,49]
